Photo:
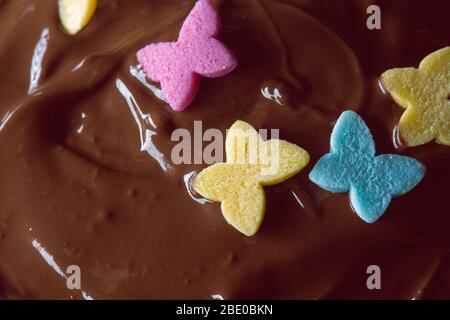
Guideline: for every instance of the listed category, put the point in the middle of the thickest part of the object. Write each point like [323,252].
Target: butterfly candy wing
[180,88]
[213,59]
[400,82]
[399,174]
[352,149]
[202,22]
[415,127]
[212,182]
[280,161]
[76,14]
[392,176]
[368,204]
[151,57]
[208,56]
[331,173]
[163,63]
[241,144]
[245,207]
[236,187]
[351,136]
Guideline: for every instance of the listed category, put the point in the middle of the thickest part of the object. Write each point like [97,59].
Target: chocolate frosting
[78,189]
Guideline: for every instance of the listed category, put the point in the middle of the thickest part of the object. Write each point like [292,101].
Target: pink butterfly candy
[179,65]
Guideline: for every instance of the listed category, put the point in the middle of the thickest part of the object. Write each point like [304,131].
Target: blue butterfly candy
[352,166]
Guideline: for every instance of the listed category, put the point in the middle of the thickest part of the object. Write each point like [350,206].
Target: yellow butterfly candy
[251,164]
[76,14]
[425,94]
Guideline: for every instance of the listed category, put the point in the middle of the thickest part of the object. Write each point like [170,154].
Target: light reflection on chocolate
[96,199]
[146,126]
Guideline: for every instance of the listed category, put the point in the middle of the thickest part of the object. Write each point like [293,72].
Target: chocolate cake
[87,178]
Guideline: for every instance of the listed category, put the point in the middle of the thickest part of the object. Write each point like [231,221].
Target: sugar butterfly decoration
[352,166]
[177,66]
[251,164]
[424,93]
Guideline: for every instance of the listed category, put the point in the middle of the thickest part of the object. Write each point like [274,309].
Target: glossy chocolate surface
[76,189]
